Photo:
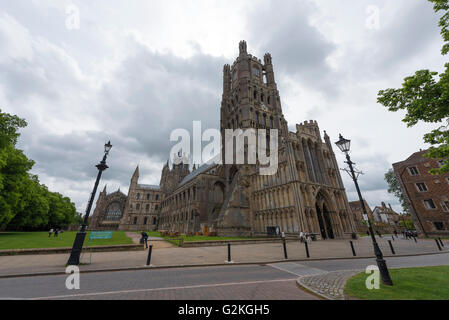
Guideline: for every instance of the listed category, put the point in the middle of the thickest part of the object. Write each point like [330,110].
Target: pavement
[278,281]
[166,255]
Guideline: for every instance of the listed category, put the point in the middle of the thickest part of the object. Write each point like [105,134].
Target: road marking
[297,269]
[161,289]
[282,269]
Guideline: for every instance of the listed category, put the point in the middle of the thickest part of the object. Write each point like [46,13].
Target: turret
[328,142]
[269,70]
[226,79]
[243,48]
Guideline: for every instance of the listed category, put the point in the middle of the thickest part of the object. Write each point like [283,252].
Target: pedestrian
[283,235]
[56,233]
[367,232]
[50,232]
[395,233]
[145,239]
[301,237]
[307,237]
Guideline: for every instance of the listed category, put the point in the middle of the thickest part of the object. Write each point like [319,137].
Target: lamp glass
[107,147]
[343,144]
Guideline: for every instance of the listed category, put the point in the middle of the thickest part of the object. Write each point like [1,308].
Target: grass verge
[428,283]
[41,240]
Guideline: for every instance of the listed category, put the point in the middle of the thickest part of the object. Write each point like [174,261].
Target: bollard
[146,243]
[441,242]
[391,247]
[149,255]
[229,253]
[392,237]
[353,250]
[438,244]
[307,249]
[285,248]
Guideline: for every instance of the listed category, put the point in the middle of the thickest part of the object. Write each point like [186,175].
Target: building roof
[414,158]
[149,187]
[195,173]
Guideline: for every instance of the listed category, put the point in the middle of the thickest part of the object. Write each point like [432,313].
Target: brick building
[358,216]
[427,195]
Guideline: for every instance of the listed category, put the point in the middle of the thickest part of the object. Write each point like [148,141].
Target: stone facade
[108,211]
[306,193]
[136,212]
[427,195]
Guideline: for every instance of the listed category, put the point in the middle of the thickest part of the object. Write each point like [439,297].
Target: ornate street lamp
[81,235]
[345,145]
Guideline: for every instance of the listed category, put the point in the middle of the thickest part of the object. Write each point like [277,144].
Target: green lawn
[430,283]
[36,240]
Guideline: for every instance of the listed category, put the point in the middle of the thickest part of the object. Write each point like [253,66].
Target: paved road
[256,282]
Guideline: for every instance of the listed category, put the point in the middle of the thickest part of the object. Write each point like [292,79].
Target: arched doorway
[324,218]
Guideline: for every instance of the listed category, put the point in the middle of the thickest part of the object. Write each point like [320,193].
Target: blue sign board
[101,235]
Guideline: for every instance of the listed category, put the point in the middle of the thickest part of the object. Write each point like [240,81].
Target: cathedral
[305,194]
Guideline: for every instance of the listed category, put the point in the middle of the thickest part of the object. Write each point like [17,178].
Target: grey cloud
[414,28]
[298,48]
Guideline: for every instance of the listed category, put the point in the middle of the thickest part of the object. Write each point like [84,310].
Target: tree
[425,97]
[14,167]
[395,188]
[24,202]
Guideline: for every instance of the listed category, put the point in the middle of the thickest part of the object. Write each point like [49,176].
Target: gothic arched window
[256,71]
[114,212]
[138,196]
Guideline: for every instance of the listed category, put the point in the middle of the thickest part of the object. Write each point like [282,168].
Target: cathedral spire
[135,177]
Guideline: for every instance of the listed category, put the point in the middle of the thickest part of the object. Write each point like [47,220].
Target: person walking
[56,233]
[50,232]
[145,239]
[301,237]
[307,237]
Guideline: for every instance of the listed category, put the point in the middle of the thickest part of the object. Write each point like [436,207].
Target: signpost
[98,235]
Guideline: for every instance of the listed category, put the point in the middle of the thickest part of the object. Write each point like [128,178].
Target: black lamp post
[74,259]
[344,145]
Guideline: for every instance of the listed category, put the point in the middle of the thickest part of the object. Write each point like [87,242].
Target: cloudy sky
[85,72]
